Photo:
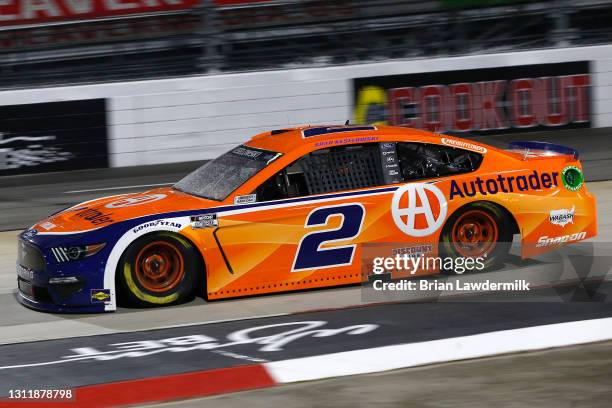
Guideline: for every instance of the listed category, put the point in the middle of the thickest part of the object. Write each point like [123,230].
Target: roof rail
[326,130]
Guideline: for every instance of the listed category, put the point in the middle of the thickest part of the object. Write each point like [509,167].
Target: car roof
[289,139]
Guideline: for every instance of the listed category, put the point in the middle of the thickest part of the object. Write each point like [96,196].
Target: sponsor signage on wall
[26,12]
[99,31]
[266,13]
[53,136]
[18,12]
[26,24]
[489,100]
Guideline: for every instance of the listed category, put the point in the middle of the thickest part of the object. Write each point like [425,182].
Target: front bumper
[57,308]
[36,266]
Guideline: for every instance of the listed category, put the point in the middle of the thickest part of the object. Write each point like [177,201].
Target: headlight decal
[73,253]
[59,254]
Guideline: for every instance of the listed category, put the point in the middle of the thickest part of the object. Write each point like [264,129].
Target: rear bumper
[547,236]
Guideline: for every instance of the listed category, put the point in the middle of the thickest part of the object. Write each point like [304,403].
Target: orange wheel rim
[159,266]
[475,234]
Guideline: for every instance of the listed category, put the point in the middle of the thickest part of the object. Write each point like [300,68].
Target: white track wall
[196,118]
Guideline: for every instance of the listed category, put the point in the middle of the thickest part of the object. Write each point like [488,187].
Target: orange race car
[291,208]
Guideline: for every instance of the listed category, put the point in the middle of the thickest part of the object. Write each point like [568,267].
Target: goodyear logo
[504,184]
[100,295]
[156,223]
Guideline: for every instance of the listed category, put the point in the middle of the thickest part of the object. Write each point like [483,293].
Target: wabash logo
[506,99]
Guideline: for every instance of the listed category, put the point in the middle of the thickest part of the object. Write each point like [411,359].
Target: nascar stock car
[290,209]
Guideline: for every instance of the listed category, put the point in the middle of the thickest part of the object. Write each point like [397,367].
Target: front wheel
[478,230]
[158,269]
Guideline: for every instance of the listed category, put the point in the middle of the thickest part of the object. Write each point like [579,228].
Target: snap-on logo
[547,241]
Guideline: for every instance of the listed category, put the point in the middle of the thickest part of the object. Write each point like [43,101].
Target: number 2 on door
[310,255]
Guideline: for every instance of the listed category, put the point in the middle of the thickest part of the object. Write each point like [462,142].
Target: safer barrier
[199,117]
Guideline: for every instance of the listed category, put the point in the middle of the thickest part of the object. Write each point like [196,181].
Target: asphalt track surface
[74,362]
[570,377]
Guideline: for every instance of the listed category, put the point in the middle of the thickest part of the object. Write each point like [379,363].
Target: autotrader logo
[503,184]
[405,217]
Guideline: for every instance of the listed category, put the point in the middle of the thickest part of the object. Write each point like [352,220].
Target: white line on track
[91,329]
[117,188]
[479,345]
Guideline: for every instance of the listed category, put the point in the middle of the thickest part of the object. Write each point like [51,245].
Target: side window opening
[296,180]
[422,160]
[290,182]
[324,171]
[342,168]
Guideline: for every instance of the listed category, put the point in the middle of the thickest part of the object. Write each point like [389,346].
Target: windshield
[218,178]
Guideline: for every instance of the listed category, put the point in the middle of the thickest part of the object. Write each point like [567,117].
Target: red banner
[19,12]
[221,3]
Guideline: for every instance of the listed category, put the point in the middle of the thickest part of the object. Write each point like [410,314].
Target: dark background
[79,132]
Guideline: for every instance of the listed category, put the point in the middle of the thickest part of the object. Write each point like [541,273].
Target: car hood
[106,211]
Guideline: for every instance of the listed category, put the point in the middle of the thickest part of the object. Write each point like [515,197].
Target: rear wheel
[158,269]
[478,230]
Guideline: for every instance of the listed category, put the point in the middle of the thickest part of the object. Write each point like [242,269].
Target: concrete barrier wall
[197,118]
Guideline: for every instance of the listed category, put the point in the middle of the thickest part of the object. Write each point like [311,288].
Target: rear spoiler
[542,147]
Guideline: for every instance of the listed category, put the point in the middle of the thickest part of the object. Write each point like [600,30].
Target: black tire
[141,280]
[491,257]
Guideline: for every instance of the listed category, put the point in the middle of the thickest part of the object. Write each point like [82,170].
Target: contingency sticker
[100,295]
[204,221]
[245,199]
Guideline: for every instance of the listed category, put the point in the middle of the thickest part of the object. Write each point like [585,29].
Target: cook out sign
[38,11]
[507,99]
